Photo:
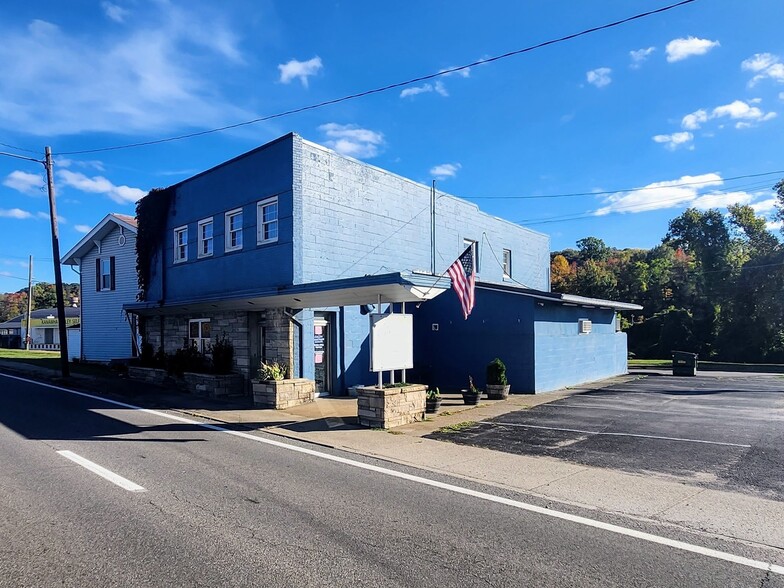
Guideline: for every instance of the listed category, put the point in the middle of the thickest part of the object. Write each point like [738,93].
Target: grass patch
[457,427]
[51,360]
[639,363]
[393,432]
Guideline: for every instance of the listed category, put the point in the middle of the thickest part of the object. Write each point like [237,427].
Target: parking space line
[615,434]
[117,479]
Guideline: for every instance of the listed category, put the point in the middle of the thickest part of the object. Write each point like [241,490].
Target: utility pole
[29,303]
[433,229]
[58,277]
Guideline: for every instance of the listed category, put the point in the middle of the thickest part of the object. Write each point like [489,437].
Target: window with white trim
[466,244]
[205,237]
[234,230]
[104,274]
[267,221]
[199,333]
[507,263]
[181,244]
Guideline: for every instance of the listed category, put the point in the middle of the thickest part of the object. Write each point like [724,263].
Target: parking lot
[721,431]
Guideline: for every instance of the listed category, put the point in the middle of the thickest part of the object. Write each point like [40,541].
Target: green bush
[496,373]
[187,359]
[272,371]
[222,355]
[433,393]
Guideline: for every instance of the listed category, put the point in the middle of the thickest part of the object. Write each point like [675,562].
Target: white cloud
[692,122]
[463,73]
[89,163]
[764,65]
[301,70]
[15,213]
[24,182]
[599,77]
[773,225]
[114,12]
[680,49]
[639,56]
[672,142]
[100,185]
[352,140]
[82,228]
[767,205]
[445,170]
[416,90]
[163,75]
[721,199]
[658,195]
[743,112]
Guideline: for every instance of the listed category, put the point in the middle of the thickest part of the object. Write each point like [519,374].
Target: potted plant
[272,371]
[473,394]
[432,400]
[497,384]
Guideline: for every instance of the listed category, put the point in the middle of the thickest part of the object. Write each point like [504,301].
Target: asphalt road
[224,510]
[718,431]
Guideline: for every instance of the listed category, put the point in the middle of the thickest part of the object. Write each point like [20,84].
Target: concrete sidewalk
[331,422]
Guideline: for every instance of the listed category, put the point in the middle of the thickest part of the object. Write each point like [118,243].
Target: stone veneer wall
[278,337]
[390,407]
[214,385]
[283,393]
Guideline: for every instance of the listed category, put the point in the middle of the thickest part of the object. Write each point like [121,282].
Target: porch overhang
[394,287]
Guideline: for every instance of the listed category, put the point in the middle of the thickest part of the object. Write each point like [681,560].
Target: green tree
[593,249]
[595,280]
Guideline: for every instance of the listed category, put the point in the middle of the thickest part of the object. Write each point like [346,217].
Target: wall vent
[584,326]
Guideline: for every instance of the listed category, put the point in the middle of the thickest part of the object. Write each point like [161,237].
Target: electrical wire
[18,148]
[388,87]
[503,270]
[606,192]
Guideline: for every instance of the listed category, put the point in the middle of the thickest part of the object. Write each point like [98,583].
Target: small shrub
[222,355]
[273,371]
[496,373]
[471,388]
[433,393]
[187,359]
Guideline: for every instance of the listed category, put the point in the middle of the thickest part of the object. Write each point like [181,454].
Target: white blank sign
[391,342]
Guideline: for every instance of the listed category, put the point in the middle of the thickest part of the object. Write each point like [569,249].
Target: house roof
[16,322]
[98,232]
[393,287]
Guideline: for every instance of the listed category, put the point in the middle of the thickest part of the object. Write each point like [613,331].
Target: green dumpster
[684,363]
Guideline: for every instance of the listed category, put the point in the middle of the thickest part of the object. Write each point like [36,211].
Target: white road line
[117,479]
[680,545]
[613,434]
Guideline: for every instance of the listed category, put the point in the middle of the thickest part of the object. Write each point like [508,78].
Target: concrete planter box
[391,407]
[214,385]
[148,375]
[281,394]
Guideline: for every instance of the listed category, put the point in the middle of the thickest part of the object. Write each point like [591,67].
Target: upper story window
[267,221]
[205,237]
[104,274]
[466,244]
[180,244]
[234,230]
[507,263]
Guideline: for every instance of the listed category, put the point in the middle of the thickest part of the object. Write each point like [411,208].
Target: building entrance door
[322,353]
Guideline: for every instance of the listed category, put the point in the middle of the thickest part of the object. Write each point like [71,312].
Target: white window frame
[261,225]
[201,342]
[228,216]
[475,243]
[208,240]
[180,249]
[506,263]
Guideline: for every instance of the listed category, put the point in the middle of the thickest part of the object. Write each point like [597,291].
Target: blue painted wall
[563,357]
[241,182]
[501,325]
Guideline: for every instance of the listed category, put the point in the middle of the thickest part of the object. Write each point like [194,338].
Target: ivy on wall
[151,214]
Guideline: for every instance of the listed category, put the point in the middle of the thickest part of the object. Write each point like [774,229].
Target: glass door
[322,354]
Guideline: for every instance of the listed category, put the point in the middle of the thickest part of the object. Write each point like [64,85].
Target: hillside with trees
[13,304]
[714,286]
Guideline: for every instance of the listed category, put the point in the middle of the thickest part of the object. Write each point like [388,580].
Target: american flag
[463,274]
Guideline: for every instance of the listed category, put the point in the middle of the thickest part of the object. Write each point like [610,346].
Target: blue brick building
[279,247]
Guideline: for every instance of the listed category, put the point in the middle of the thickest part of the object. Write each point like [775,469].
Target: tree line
[714,286]
[12,304]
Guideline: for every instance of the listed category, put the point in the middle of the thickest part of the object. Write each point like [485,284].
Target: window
[507,263]
[104,274]
[234,230]
[199,333]
[180,244]
[205,237]
[466,244]
[267,221]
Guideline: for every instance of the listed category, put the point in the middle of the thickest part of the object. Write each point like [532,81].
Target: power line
[18,148]
[606,192]
[388,87]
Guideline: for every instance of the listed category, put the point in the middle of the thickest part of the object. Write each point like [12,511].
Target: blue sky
[692,96]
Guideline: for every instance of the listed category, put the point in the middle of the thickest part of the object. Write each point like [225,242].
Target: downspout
[81,322]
